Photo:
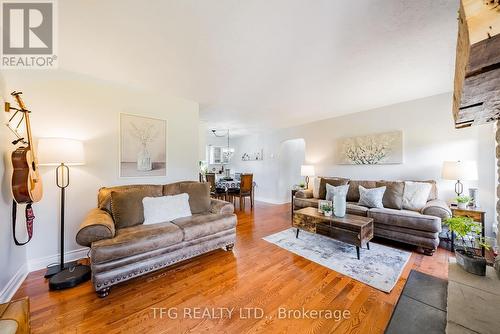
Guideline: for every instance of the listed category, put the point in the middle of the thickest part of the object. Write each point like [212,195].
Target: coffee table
[351,229]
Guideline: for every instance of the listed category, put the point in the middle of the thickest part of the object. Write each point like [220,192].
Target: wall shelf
[255,156]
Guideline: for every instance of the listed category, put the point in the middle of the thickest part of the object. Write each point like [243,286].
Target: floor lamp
[62,152]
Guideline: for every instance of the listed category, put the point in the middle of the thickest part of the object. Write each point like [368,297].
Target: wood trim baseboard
[43,262]
[270,200]
[14,283]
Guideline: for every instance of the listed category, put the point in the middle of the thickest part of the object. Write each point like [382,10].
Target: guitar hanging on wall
[26,181]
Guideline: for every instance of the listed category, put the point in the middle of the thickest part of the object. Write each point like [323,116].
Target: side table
[293,191]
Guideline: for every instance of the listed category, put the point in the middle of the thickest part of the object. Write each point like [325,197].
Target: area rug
[379,267]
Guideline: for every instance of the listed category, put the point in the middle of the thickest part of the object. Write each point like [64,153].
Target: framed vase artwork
[143,146]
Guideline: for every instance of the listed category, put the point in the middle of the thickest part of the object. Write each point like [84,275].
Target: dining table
[230,187]
[227,184]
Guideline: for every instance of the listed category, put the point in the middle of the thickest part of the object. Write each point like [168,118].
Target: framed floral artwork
[377,149]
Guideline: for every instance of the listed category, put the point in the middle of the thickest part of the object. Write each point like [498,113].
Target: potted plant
[467,230]
[302,185]
[462,202]
[327,210]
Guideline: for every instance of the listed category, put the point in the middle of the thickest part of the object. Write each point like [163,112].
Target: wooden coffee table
[351,229]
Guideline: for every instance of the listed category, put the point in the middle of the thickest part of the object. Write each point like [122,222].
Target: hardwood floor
[256,275]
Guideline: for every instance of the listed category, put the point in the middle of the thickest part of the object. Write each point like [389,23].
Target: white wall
[429,138]
[291,156]
[265,172]
[70,105]
[12,258]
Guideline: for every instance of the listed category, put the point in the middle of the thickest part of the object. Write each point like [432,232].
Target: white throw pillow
[165,208]
[316,182]
[332,191]
[415,195]
[371,198]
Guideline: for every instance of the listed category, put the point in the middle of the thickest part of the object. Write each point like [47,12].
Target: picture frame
[375,149]
[322,202]
[142,146]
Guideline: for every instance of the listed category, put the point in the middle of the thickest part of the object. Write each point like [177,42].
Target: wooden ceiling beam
[476,98]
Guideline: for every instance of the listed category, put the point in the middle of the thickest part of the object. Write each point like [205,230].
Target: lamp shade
[54,151]
[459,170]
[307,170]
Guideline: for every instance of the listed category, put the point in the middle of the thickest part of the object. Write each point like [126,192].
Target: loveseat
[420,228]
[122,247]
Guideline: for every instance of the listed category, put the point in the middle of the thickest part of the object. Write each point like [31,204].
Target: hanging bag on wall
[30,217]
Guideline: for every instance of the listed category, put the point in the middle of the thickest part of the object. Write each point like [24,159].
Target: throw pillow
[174,188]
[334,181]
[126,206]
[433,194]
[393,196]
[316,183]
[331,191]
[165,208]
[353,193]
[199,196]
[371,198]
[415,195]
[104,195]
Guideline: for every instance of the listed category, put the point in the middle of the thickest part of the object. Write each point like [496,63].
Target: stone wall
[497,260]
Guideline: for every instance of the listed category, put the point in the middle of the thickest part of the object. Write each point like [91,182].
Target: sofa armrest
[97,225]
[306,193]
[221,207]
[437,208]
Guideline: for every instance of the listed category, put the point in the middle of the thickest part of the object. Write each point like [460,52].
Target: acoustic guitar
[26,181]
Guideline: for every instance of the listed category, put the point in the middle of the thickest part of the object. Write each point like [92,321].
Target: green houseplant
[327,209]
[467,230]
[462,202]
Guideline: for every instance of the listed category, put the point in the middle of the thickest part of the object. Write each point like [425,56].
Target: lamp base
[459,188]
[55,268]
[69,277]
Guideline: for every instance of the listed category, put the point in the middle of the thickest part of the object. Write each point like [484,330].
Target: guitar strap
[30,217]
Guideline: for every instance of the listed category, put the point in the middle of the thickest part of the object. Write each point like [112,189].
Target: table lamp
[459,171]
[63,152]
[307,170]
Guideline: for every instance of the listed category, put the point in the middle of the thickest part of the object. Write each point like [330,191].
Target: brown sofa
[123,248]
[391,222]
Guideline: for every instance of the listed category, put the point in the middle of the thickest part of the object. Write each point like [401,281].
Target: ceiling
[264,64]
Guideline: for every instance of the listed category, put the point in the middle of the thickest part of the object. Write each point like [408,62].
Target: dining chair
[246,190]
[214,191]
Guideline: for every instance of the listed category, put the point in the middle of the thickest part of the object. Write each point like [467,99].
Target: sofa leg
[103,293]
[229,247]
[426,251]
